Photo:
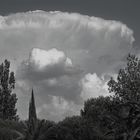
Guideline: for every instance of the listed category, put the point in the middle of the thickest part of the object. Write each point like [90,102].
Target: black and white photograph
[69,69]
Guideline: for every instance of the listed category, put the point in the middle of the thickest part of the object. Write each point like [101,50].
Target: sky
[66,50]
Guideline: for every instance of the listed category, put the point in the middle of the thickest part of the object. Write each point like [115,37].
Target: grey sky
[73,54]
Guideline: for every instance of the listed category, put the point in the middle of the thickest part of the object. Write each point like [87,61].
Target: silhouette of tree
[7,98]
[95,114]
[126,89]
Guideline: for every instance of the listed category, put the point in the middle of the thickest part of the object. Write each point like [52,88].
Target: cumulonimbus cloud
[93,38]
[64,42]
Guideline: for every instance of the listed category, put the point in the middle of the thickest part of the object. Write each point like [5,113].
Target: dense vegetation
[115,117]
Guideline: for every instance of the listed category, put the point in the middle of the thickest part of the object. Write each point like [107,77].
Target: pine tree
[32,114]
[7,98]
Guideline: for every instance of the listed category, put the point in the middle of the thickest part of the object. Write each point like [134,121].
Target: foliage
[68,129]
[73,127]
[40,130]
[127,85]
[7,99]
[127,92]
[11,130]
[96,112]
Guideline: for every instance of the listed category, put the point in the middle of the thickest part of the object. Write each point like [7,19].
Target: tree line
[115,117]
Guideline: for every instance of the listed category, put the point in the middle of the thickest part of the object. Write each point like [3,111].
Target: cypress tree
[7,98]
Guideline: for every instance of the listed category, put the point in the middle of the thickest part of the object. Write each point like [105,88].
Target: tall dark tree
[126,89]
[95,114]
[32,114]
[7,98]
[127,85]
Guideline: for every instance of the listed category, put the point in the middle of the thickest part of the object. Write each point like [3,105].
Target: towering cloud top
[105,41]
[61,20]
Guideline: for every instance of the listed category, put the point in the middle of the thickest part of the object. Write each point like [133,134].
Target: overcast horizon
[67,50]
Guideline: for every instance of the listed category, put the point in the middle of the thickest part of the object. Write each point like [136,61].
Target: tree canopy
[7,98]
[126,89]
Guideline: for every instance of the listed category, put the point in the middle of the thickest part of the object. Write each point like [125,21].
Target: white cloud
[93,86]
[41,58]
[44,64]
[64,42]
